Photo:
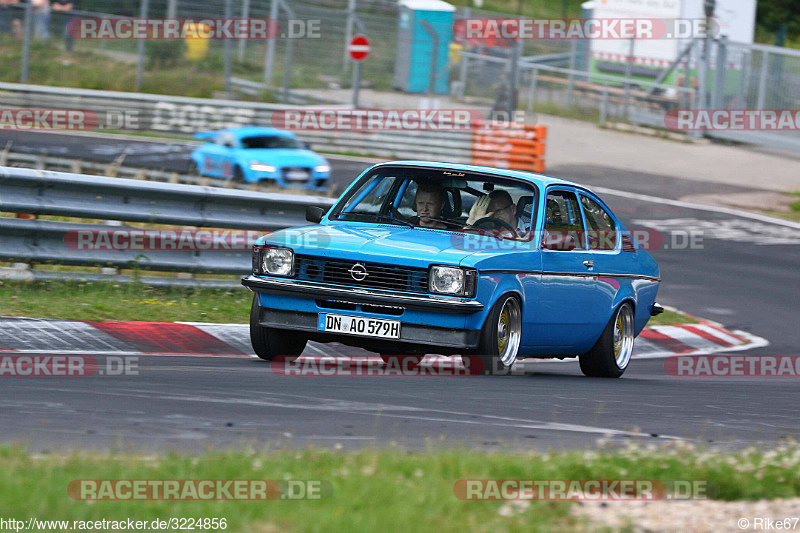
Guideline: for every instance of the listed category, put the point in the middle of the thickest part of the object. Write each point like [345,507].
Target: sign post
[359,50]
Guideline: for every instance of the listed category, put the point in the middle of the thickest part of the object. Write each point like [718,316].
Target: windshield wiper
[393,219]
[377,218]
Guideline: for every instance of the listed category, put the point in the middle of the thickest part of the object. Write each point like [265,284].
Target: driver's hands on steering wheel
[478,210]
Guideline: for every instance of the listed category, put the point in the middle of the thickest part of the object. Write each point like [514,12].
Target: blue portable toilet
[415,45]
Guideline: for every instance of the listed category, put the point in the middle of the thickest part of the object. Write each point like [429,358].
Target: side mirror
[314,214]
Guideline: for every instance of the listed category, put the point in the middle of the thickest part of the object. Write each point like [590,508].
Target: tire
[608,359]
[501,335]
[269,343]
[238,175]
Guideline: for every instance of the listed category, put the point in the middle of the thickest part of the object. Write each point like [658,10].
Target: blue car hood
[412,247]
[283,157]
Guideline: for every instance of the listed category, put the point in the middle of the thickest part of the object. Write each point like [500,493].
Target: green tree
[773,14]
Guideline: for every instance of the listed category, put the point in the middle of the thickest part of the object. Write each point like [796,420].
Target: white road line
[383,411]
[699,207]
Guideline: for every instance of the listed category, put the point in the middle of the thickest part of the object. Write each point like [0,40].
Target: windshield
[273,141]
[440,199]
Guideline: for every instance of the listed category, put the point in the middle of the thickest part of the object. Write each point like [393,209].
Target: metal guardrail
[117,199]
[183,115]
[98,197]
[114,169]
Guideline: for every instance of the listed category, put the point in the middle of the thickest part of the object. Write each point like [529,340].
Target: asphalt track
[744,274]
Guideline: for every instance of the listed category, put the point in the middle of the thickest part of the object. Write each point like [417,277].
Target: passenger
[429,201]
[497,204]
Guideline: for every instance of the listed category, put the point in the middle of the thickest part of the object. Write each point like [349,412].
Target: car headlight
[323,168]
[261,167]
[452,280]
[277,261]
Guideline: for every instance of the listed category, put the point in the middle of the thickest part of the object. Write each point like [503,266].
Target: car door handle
[588,264]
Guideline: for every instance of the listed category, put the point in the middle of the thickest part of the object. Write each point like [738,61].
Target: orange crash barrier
[515,147]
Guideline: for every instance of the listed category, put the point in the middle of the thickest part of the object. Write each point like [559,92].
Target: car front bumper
[410,334]
[292,287]
[304,315]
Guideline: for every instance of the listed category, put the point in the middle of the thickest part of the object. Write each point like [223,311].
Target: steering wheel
[493,223]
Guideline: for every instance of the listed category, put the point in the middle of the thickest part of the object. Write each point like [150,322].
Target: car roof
[541,180]
[250,131]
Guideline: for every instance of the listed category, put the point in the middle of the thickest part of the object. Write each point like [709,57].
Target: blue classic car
[253,154]
[419,257]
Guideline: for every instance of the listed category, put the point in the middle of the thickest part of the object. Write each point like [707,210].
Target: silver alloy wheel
[509,331]
[623,336]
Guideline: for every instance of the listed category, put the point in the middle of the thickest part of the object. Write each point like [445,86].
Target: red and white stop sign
[359,48]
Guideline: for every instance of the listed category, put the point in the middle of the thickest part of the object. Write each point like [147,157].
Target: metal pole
[744,76]
[718,99]
[172,9]
[516,51]
[356,83]
[762,82]
[270,58]
[687,71]
[628,74]
[464,69]
[702,73]
[287,69]
[26,43]
[348,36]
[573,56]
[532,92]
[140,65]
[243,42]
[434,65]
[228,15]
[695,102]
[604,104]
[464,60]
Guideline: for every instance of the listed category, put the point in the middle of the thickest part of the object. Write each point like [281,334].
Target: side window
[225,139]
[406,207]
[563,223]
[371,196]
[601,233]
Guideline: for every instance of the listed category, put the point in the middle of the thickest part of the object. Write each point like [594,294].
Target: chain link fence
[551,76]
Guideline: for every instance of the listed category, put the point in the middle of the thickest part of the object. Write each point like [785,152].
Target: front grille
[296,173]
[379,276]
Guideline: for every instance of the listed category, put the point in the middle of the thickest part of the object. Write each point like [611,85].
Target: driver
[497,204]
[429,202]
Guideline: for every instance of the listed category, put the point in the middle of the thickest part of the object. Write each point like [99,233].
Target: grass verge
[134,301]
[792,214]
[382,490]
[106,301]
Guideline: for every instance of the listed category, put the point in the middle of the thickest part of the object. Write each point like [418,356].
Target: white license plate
[357,325]
[297,175]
